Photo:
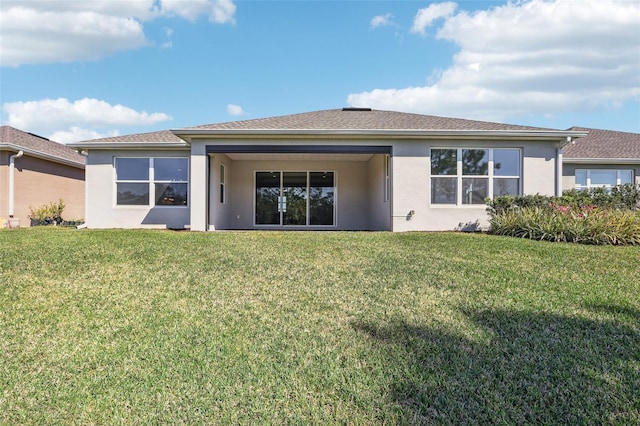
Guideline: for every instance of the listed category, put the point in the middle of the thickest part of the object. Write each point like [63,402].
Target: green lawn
[148,327]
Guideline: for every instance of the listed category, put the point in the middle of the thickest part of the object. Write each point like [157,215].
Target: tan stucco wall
[102,211]
[569,171]
[38,182]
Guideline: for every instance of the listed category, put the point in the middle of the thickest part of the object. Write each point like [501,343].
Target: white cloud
[529,57]
[381,21]
[222,12]
[65,120]
[47,31]
[425,17]
[235,109]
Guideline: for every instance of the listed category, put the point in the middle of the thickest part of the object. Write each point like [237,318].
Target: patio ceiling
[298,157]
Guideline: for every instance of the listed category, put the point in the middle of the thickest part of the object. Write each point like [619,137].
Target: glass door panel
[294,198]
[268,198]
[321,198]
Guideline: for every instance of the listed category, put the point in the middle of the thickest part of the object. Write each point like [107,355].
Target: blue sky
[75,70]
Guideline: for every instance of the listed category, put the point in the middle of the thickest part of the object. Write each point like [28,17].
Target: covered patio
[298,187]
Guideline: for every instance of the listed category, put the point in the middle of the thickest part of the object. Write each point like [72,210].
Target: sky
[74,70]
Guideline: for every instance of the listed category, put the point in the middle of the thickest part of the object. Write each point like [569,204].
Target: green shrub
[593,226]
[596,216]
[47,214]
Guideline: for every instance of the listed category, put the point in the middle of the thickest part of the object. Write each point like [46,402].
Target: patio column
[198,187]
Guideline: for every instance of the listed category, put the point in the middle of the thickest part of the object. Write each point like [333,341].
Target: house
[603,158]
[36,171]
[341,169]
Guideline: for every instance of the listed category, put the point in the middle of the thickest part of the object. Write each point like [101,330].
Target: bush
[588,217]
[47,214]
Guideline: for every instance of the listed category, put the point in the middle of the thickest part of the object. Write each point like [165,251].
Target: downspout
[12,161]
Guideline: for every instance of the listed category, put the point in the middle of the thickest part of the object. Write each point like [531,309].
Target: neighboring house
[342,169]
[36,171]
[603,158]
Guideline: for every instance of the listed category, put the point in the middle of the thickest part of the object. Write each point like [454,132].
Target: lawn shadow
[522,368]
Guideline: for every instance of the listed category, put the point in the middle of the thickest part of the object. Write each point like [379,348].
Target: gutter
[128,145]
[602,160]
[43,156]
[12,161]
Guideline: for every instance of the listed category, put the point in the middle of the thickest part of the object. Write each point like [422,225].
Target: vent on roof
[38,136]
[356,109]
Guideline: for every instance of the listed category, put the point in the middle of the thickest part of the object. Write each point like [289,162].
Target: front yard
[139,327]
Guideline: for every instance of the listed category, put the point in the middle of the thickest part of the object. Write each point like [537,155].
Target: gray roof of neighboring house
[604,144]
[37,146]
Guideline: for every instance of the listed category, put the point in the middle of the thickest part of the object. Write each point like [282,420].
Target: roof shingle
[604,144]
[359,119]
[39,145]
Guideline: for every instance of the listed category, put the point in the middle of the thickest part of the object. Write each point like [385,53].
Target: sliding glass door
[295,198]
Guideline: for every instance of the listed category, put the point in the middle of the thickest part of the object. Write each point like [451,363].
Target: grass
[147,327]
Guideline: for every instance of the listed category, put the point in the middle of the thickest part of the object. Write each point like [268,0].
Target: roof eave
[128,145]
[601,160]
[44,156]
[189,134]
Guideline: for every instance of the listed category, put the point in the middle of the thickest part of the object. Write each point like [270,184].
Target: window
[152,181]
[464,176]
[132,181]
[387,177]
[222,180]
[295,198]
[602,178]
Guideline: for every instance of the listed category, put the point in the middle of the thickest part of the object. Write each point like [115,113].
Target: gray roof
[604,144]
[359,119]
[346,121]
[38,146]
[162,136]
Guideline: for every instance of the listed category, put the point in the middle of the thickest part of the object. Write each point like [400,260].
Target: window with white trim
[156,181]
[466,176]
[602,178]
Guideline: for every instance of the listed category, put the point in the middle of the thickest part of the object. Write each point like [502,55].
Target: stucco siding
[360,186]
[379,208]
[38,182]
[102,211]
[412,208]
[219,209]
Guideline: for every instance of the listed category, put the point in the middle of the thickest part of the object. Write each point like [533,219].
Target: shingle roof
[604,144]
[359,119]
[38,145]
[162,136]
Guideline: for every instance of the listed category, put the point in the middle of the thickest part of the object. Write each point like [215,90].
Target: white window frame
[587,172]
[151,182]
[490,176]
